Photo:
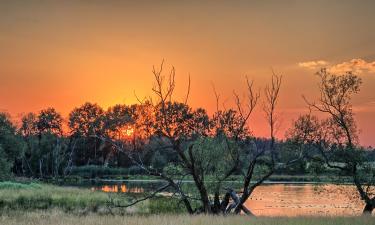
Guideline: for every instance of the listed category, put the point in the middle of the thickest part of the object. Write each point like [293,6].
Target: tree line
[171,141]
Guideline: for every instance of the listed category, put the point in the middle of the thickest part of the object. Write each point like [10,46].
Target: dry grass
[60,218]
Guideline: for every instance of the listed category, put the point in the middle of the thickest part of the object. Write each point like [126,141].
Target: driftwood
[235,204]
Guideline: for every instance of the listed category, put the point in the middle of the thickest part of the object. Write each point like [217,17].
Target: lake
[277,199]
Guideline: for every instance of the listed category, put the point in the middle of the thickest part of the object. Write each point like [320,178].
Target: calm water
[305,200]
[279,199]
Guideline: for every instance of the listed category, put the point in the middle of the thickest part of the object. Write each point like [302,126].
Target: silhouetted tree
[85,122]
[336,136]
[49,121]
[46,150]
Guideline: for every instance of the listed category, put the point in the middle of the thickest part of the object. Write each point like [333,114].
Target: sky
[64,53]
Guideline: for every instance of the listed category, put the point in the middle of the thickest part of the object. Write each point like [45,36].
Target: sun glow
[127,131]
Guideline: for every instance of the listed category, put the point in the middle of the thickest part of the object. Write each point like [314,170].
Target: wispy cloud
[357,66]
[313,64]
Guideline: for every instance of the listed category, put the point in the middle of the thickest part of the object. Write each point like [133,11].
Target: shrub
[4,165]
[165,205]
[17,186]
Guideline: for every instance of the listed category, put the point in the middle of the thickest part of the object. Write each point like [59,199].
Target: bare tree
[213,149]
[260,155]
[336,137]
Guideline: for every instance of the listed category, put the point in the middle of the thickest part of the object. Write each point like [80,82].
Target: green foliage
[92,171]
[46,151]
[5,165]
[165,205]
[291,150]
[214,156]
[158,160]
[17,186]
[172,169]
[86,120]
[117,117]
[316,167]
[49,121]
[11,146]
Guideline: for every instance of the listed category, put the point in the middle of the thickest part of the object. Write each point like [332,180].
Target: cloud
[313,64]
[357,66]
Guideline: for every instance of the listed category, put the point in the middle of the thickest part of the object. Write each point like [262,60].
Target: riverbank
[39,196]
[274,179]
[134,173]
[271,200]
[60,218]
[33,196]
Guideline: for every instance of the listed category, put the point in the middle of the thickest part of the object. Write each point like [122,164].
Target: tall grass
[16,186]
[34,196]
[58,218]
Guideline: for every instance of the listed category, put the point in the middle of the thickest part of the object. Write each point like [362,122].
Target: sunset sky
[64,53]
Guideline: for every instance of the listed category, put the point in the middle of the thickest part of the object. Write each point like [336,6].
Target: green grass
[28,197]
[165,205]
[59,218]
[16,186]
[34,196]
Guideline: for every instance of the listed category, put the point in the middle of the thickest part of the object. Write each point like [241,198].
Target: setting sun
[127,131]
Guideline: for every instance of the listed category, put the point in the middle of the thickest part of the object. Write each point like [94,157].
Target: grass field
[59,218]
[37,196]
[29,197]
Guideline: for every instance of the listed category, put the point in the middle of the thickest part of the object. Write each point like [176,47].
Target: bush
[4,165]
[158,161]
[17,186]
[135,170]
[11,146]
[97,171]
[165,205]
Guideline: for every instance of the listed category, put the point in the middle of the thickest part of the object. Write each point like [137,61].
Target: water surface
[278,199]
[305,200]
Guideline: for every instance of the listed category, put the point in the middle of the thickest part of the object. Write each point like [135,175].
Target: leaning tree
[336,136]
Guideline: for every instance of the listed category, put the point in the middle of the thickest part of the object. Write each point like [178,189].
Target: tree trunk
[237,204]
[40,168]
[225,202]
[368,209]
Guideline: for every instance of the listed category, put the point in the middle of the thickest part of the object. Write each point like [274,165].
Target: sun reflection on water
[122,188]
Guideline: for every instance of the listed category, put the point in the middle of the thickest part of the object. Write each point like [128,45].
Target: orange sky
[64,53]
